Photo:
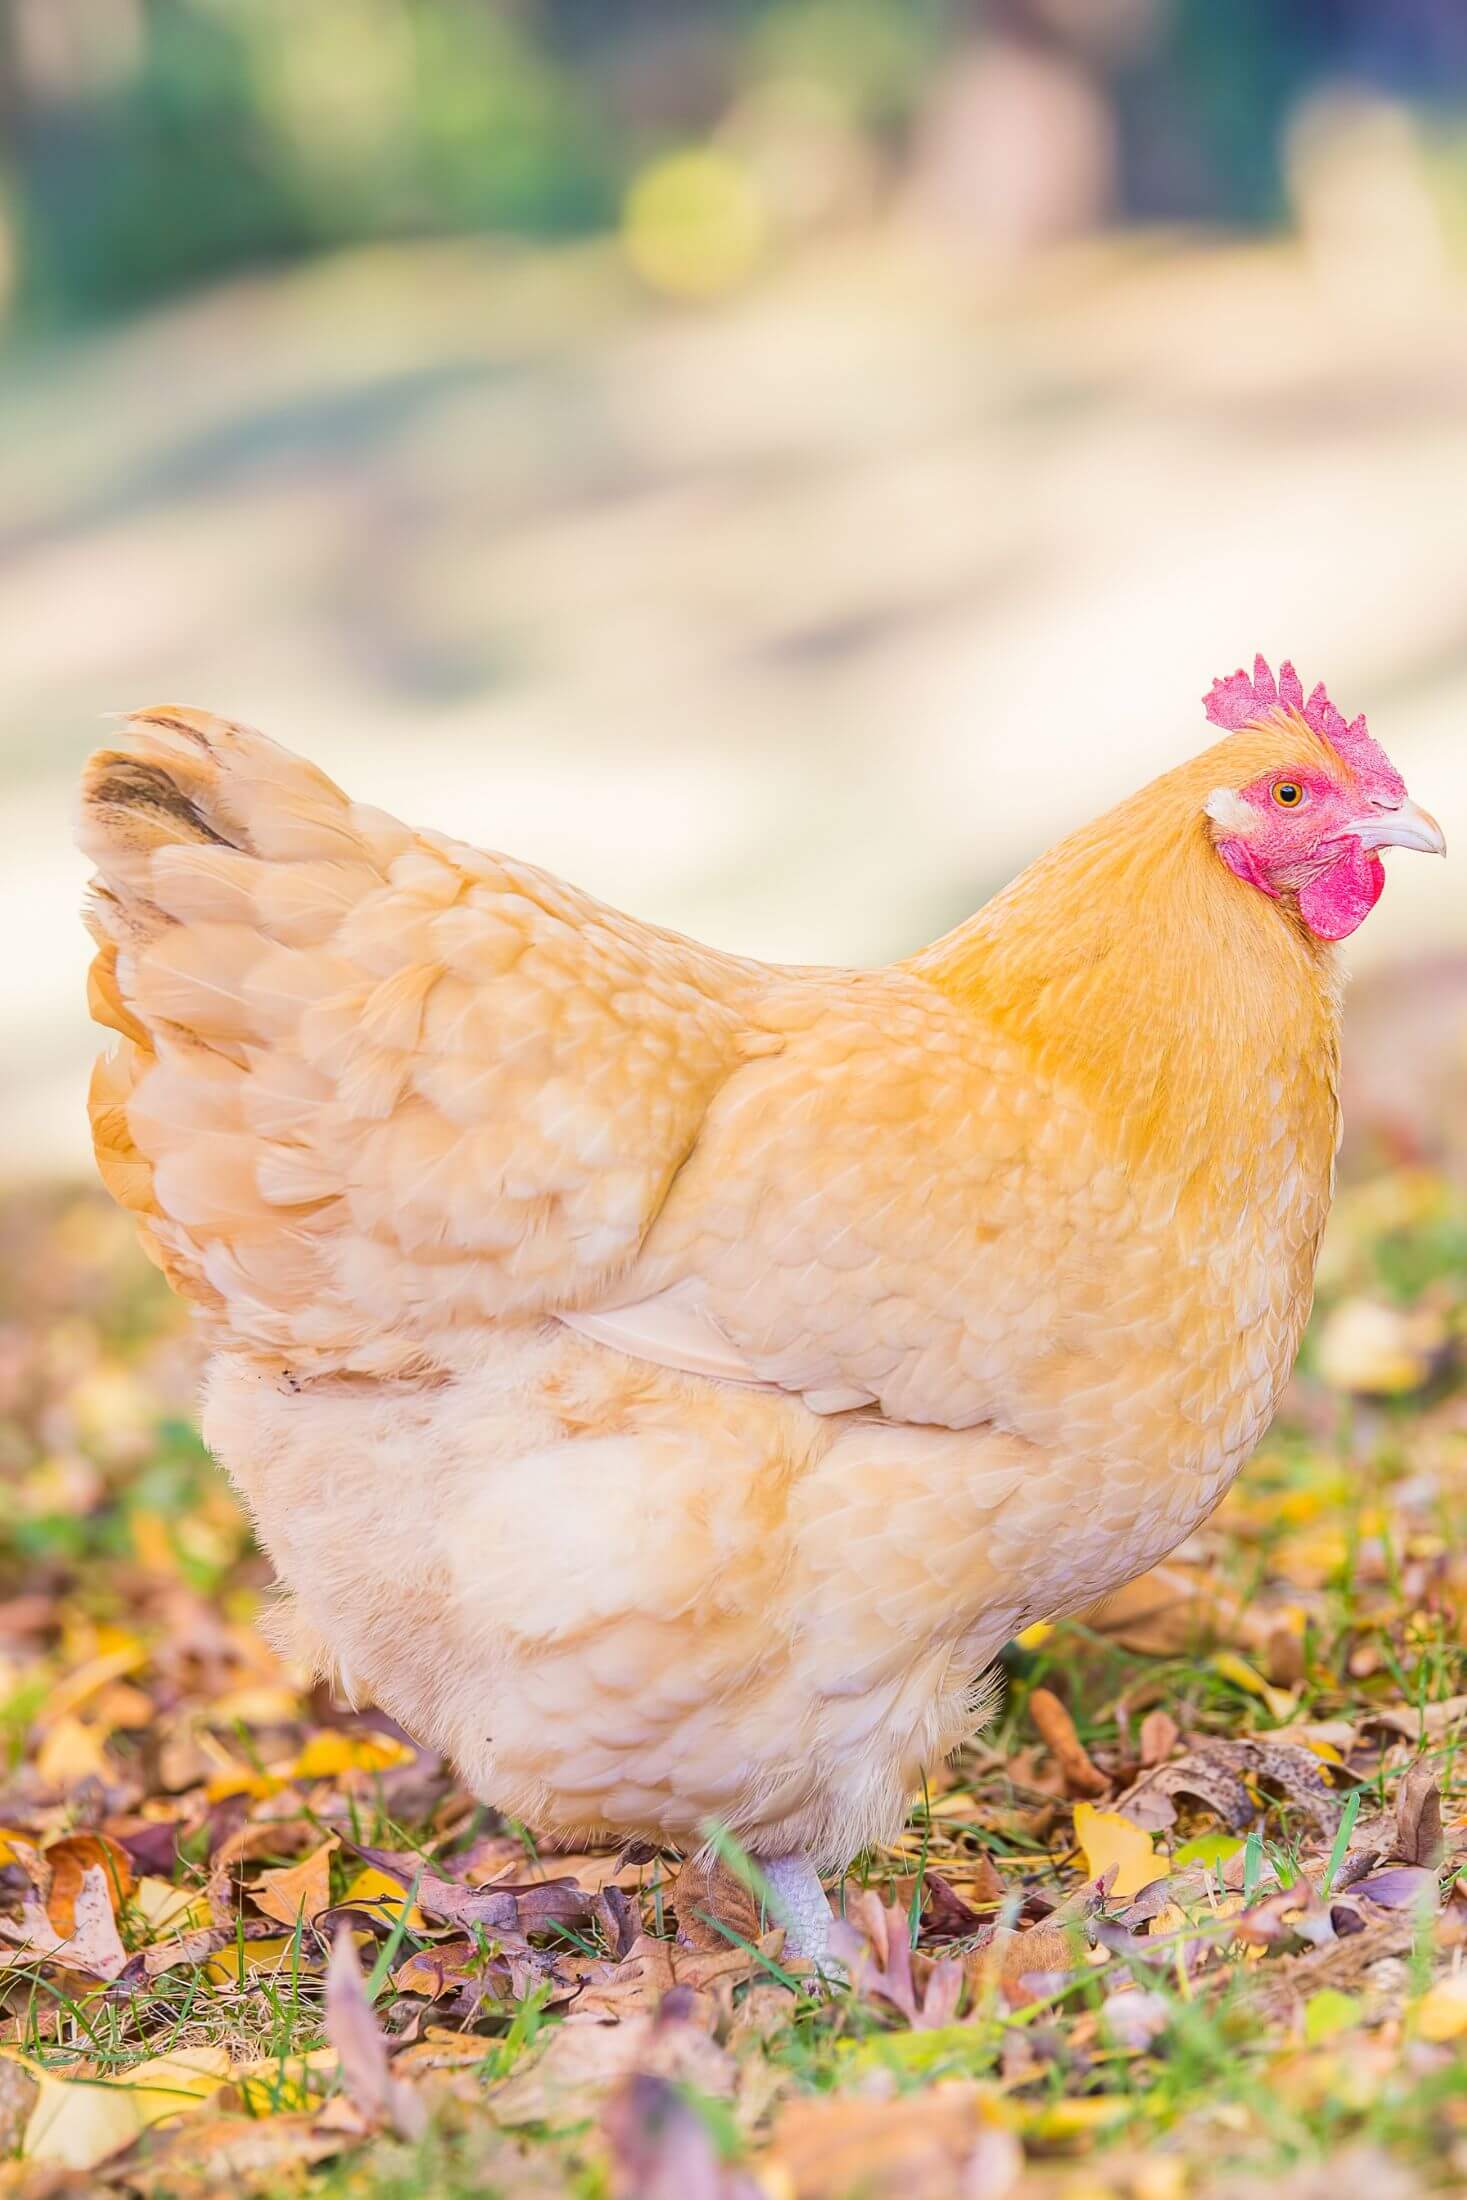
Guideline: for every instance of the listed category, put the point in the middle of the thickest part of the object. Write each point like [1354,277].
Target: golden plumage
[664,1381]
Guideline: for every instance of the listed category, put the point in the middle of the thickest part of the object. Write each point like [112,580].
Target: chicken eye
[1288,794]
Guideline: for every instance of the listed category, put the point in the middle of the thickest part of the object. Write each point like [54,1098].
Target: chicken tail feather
[222,860]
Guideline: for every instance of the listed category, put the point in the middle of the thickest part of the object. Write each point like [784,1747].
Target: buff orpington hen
[664,1381]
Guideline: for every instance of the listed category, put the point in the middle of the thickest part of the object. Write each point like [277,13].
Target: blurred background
[780,462]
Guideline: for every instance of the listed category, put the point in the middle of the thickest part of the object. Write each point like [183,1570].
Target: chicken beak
[1408,826]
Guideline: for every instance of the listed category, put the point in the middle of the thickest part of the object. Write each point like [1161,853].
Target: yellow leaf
[79,2122]
[167,1910]
[259,1705]
[1111,1841]
[170,2084]
[152,1542]
[1055,2122]
[373,1890]
[276,2087]
[71,1753]
[241,1780]
[1441,2013]
[1242,1675]
[224,1968]
[298,1890]
[327,1756]
[72,1691]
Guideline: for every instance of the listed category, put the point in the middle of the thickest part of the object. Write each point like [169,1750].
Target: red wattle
[1342,897]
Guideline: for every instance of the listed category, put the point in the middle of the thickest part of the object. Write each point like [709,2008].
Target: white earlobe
[1227,808]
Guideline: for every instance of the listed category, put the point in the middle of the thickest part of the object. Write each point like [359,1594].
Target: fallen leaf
[1159,1737]
[79,2122]
[1009,1958]
[69,1859]
[224,2152]
[353,2030]
[329,1756]
[708,1894]
[1374,1350]
[661,2148]
[383,1895]
[1113,1843]
[1441,2013]
[1406,1887]
[1419,1817]
[19,2092]
[93,1945]
[930,2145]
[292,1892]
[71,1753]
[1057,1730]
[652,1969]
[168,1909]
[873,1941]
[1214,1773]
[1242,1675]
[582,2059]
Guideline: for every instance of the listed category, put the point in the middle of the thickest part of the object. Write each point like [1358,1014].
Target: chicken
[664,1381]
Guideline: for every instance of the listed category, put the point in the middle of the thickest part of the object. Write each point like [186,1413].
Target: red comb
[1238,701]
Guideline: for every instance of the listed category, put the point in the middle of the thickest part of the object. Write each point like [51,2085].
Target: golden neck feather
[1135,967]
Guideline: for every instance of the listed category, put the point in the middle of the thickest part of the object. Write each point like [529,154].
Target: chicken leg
[799,1904]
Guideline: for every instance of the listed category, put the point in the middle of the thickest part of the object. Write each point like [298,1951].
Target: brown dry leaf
[873,1940]
[505,1911]
[707,1894]
[69,1859]
[1176,1607]
[582,2059]
[92,1946]
[592,1869]
[1159,1737]
[1057,1731]
[218,2152]
[437,1971]
[262,1837]
[1214,1773]
[1010,1957]
[1431,1722]
[71,1752]
[294,1892]
[930,2145]
[654,1968]
[1419,1817]
[353,2030]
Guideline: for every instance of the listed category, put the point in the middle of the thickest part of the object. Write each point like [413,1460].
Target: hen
[662,1380]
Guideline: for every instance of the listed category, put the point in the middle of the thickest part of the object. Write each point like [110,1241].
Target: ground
[1185,1920]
